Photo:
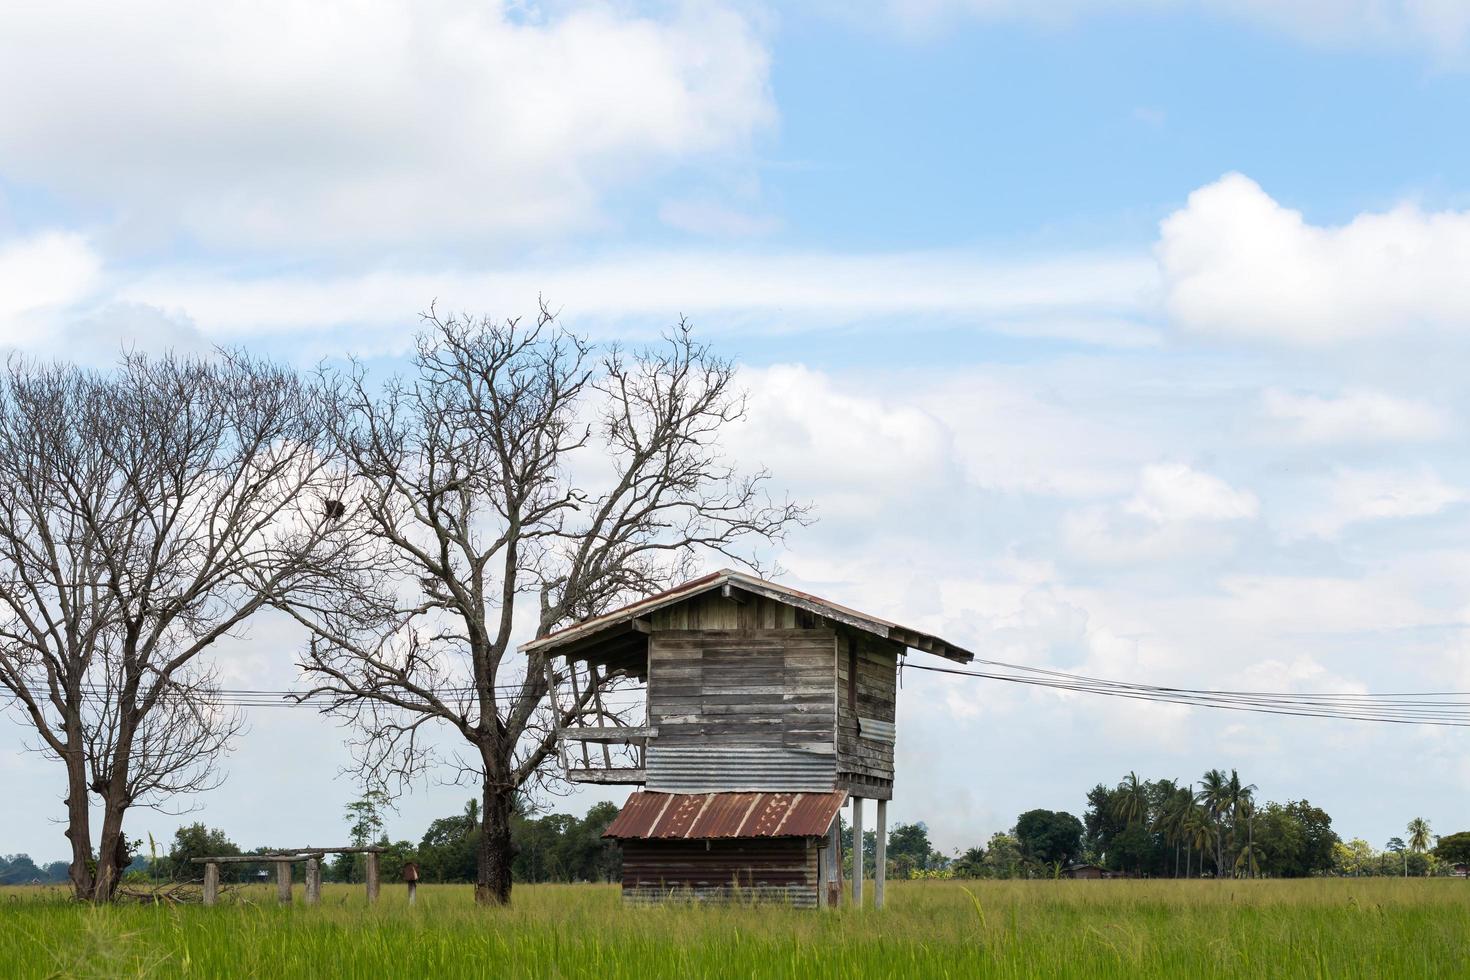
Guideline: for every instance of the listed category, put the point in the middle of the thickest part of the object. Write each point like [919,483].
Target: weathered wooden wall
[712,611]
[742,696]
[772,868]
[865,728]
[754,695]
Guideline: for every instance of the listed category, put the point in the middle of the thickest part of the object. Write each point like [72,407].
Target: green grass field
[1318,928]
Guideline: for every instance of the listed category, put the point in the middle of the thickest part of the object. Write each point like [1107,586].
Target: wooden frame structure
[752,688]
[283,861]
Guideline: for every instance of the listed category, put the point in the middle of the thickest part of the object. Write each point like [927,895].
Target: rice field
[1137,929]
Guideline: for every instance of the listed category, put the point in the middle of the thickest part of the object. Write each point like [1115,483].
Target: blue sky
[1123,339]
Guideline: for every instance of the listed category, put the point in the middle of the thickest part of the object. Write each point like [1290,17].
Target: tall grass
[1136,929]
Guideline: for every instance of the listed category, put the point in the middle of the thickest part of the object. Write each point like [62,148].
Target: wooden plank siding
[765,869]
[741,708]
[712,611]
[867,758]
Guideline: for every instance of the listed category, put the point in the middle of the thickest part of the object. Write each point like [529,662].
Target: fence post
[313,881]
[283,882]
[372,877]
[411,875]
[211,883]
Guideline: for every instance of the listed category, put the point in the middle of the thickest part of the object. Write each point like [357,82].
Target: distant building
[1086,871]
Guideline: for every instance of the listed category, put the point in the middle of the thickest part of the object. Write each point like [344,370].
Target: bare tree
[471,483]
[145,513]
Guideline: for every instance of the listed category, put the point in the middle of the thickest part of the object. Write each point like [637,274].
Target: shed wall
[865,728]
[741,709]
[780,869]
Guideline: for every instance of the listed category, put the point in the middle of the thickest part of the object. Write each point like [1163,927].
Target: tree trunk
[112,845]
[112,850]
[492,864]
[78,816]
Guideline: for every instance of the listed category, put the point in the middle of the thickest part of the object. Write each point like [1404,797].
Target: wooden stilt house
[767,710]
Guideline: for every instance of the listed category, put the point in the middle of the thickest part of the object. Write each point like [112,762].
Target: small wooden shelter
[1089,872]
[767,709]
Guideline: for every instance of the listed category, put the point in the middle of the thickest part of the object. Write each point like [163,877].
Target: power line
[1439,708]
[293,698]
[1413,708]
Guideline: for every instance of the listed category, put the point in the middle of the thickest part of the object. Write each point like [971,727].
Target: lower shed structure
[726,846]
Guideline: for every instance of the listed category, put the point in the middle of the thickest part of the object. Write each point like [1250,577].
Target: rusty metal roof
[917,639]
[711,816]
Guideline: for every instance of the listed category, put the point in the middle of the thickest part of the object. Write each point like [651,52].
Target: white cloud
[1441,26]
[1288,604]
[700,216]
[1238,264]
[1354,496]
[1174,514]
[40,276]
[779,291]
[860,452]
[1014,435]
[1352,417]
[394,121]
[1173,492]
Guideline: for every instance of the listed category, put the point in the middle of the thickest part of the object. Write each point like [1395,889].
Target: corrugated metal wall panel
[883,731]
[690,769]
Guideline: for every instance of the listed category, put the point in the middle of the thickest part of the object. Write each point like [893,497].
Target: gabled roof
[915,639]
[715,816]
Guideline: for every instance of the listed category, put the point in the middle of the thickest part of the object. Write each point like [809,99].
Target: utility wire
[1440,708]
[1419,708]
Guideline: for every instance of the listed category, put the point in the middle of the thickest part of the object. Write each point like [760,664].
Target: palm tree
[1131,806]
[1247,808]
[1419,835]
[1196,830]
[1242,805]
[1215,795]
[1246,861]
[1174,801]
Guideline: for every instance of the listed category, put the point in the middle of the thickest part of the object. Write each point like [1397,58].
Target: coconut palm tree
[1419,835]
[1215,790]
[1246,810]
[1241,800]
[1131,805]
[1197,831]
[1247,861]
[1173,809]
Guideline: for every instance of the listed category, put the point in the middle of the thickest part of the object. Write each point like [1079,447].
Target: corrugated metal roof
[714,816]
[917,639]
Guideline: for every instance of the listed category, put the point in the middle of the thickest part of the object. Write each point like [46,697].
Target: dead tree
[472,480]
[145,513]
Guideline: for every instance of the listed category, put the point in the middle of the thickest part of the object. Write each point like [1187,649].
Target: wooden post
[372,876]
[857,851]
[833,884]
[576,706]
[880,869]
[283,882]
[597,701]
[313,881]
[411,877]
[211,883]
